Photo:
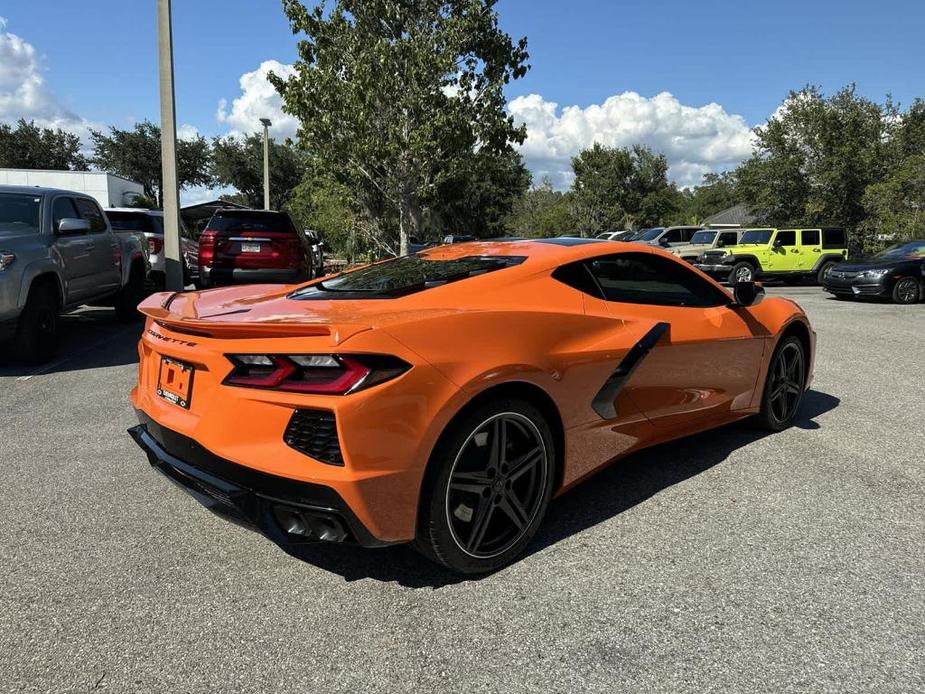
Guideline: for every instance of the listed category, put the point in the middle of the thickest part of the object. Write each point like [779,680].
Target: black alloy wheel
[487,488]
[906,291]
[496,485]
[784,385]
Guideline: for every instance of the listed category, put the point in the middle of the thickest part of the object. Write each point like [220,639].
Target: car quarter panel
[385,432]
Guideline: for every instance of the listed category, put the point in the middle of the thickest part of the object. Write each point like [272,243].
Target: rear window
[809,237]
[270,222]
[130,221]
[405,275]
[19,212]
[833,238]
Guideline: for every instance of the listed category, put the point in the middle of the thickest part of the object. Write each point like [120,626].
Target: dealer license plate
[175,382]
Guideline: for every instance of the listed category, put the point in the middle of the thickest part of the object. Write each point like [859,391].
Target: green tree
[541,212]
[478,199]
[238,162]
[619,188]
[716,193]
[29,146]
[896,205]
[394,96]
[324,205]
[136,155]
[815,159]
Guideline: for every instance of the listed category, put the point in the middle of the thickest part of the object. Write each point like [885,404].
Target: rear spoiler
[213,326]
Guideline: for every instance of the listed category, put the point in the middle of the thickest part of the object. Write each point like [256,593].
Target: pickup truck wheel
[823,271]
[36,340]
[742,272]
[131,295]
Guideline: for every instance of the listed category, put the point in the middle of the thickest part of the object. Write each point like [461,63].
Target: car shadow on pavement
[615,489]
[90,338]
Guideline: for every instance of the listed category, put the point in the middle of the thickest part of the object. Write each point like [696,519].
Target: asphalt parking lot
[732,561]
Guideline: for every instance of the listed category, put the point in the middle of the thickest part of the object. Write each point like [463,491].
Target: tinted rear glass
[251,221]
[130,221]
[833,238]
[19,212]
[404,275]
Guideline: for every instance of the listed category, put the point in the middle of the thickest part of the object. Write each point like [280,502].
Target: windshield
[404,275]
[703,237]
[130,221]
[649,234]
[19,212]
[759,236]
[903,251]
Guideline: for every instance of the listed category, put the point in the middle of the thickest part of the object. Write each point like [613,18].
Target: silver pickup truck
[58,252]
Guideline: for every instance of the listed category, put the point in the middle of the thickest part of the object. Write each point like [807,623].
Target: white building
[108,189]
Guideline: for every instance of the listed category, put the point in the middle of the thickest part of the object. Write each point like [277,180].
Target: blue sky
[95,63]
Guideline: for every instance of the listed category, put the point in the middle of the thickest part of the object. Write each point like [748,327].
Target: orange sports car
[444,398]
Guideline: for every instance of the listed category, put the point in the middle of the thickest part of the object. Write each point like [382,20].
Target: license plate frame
[250,247]
[175,382]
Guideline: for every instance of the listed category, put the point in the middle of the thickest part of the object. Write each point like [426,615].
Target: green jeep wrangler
[786,254]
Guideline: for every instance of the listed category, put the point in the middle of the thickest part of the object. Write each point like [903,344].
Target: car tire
[742,272]
[36,340]
[823,271]
[479,509]
[130,296]
[783,386]
[906,291]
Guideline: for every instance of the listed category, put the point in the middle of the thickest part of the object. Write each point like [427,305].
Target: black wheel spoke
[514,510]
[480,522]
[524,463]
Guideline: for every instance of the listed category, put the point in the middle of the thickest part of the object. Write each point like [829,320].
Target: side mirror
[663,242]
[778,242]
[72,225]
[747,293]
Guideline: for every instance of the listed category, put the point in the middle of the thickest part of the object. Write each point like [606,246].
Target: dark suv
[252,246]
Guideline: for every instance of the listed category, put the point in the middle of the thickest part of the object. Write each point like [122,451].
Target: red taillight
[323,374]
[155,244]
[207,247]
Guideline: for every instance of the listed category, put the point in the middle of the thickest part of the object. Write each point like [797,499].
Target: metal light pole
[266,162]
[170,190]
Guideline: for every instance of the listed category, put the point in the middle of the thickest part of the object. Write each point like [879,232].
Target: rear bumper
[291,513]
[216,276]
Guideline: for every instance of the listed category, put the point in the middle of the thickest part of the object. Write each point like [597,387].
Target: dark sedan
[898,273]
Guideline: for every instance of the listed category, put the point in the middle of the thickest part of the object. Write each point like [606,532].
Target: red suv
[252,246]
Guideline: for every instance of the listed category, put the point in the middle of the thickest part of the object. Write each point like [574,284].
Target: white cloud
[696,140]
[187,132]
[24,92]
[258,99]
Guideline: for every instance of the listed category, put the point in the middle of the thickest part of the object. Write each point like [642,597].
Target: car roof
[139,210]
[548,252]
[41,190]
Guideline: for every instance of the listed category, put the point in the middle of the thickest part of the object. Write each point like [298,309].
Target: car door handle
[794,250]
